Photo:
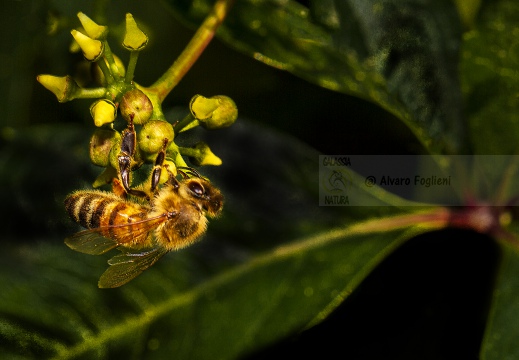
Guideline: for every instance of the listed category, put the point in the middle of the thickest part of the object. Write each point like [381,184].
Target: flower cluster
[139,106]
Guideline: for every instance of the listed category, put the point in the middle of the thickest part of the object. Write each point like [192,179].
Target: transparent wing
[129,265]
[94,241]
[90,242]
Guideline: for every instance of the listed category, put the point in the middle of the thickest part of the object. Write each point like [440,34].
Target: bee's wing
[90,242]
[94,242]
[128,265]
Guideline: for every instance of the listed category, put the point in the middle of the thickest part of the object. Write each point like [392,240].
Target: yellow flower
[92,29]
[103,111]
[167,167]
[134,38]
[214,113]
[64,87]
[92,49]
[201,155]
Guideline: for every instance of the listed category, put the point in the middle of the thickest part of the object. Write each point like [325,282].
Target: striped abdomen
[103,210]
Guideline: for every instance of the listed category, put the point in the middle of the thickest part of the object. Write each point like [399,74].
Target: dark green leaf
[500,341]
[52,307]
[490,83]
[490,78]
[402,55]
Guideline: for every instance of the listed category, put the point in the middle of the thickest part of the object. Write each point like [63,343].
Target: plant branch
[193,50]
[93,93]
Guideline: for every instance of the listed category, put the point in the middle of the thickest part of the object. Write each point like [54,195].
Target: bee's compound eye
[196,188]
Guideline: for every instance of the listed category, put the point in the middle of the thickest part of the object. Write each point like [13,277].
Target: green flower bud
[113,156]
[105,177]
[115,151]
[103,112]
[74,47]
[134,38]
[65,88]
[92,49]
[136,103]
[201,155]
[98,75]
[93,30]
[202,108]
[101,143]
[214,113]
[151,137]
[167,167]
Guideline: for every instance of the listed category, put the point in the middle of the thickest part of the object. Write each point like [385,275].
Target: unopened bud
[153,134]
[135,104]
[105,177]
[202,155]
[134,38]
[113,157]
[92,29]
[167,168]
[101,144]
[115,152]
[103,112]
[92,49]
[65,88]
[214,113]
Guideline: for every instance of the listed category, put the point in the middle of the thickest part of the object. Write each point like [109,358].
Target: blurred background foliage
[412,306]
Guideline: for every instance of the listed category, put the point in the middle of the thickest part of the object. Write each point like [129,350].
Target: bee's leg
[125,157]
[118,188]
[157,169]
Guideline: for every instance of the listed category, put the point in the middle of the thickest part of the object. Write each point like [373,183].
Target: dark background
[427,301]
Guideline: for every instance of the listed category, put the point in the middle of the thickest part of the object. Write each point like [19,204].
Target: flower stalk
[193,50]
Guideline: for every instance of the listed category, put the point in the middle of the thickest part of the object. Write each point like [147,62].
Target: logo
[335,183]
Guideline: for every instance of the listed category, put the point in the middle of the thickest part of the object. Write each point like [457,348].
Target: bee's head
[205,194]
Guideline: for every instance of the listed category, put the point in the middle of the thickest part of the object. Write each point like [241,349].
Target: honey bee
[174,217]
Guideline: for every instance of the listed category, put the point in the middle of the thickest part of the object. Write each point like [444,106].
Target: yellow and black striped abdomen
[98,209]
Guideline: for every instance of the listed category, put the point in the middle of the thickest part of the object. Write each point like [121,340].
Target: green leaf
[38,164]
[500,340]
[255,278]
[490,85]
[52,307]
[402,55]
[490,79]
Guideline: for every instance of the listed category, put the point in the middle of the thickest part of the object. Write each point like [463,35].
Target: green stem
[106,71]
[185,123]
[173,152]
[179,161]
[503,190]
[435,218]
[188,151]
[114,70]
[196,46]
[94,93]
[134,55]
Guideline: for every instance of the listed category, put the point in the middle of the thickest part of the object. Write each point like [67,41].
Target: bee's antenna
[190,170]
